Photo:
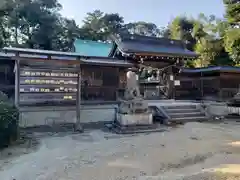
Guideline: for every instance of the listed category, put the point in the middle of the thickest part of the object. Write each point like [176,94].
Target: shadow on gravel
[212,176]
[24,145]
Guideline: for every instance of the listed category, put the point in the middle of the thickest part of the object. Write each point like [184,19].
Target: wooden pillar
[201,86]
[17,83]
[17,91]
[220,93]
[117,84]
[78,126]
[171,83]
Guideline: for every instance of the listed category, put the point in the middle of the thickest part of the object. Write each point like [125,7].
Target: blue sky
[159,12]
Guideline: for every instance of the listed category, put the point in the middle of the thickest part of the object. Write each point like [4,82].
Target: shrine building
[65,87]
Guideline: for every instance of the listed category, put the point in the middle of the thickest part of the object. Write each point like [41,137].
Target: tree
[4,33]
[232,44]
[232,36]
[205,36]
[26,17]
[186,30]
[181,28]
[233,11]
[209,33]
[93,24]
[67,32]
[211,52]
[113,23]
[6,8]
[165,32]
[99,26]
[36,24]
[143,28]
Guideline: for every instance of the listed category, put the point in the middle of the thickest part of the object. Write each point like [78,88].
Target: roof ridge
[148,39]
[97,42]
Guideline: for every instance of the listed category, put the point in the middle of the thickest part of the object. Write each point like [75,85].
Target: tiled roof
[36,53]
[130,44]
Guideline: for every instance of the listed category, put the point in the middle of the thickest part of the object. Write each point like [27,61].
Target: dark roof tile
[142,44]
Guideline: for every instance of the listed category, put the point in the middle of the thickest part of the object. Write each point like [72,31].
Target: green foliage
[99,26]
[35,24]
[181,28]
[232,43]
[204,35]
[233,11]
[38,24]
[143,28]
[8,121]
[232,35]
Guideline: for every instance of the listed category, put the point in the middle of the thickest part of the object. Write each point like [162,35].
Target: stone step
[180,107]
[184,114]
[190,119]
[137,129]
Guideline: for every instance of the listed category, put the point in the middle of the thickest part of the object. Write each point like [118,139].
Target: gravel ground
[195,151]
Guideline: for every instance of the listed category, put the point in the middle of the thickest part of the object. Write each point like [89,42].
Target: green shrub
[3,97]
[8,121]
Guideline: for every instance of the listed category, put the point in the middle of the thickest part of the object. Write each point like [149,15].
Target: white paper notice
[176,83]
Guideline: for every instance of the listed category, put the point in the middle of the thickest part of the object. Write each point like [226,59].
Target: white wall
[38,116]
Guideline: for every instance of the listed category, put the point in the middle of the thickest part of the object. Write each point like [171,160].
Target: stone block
[49,118]
[135,119]
[217,109]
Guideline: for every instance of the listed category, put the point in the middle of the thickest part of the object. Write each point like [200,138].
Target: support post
[78,126]
[172,83]
[17,92]
[17,83]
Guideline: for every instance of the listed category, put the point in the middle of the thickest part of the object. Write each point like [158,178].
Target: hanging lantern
[150,71]
[143,73]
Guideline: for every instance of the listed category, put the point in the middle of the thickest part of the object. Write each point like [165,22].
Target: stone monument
[133,109]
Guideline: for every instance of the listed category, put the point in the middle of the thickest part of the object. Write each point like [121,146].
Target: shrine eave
[45,55]
[161,52]
[107,62]
[5,55]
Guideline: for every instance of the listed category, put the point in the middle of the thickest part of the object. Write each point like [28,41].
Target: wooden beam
[47,60]
[165,55]
[17,83]
[78,126]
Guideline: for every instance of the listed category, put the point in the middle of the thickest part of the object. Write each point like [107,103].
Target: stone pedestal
[133,110]
[133,106]
[135,119]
